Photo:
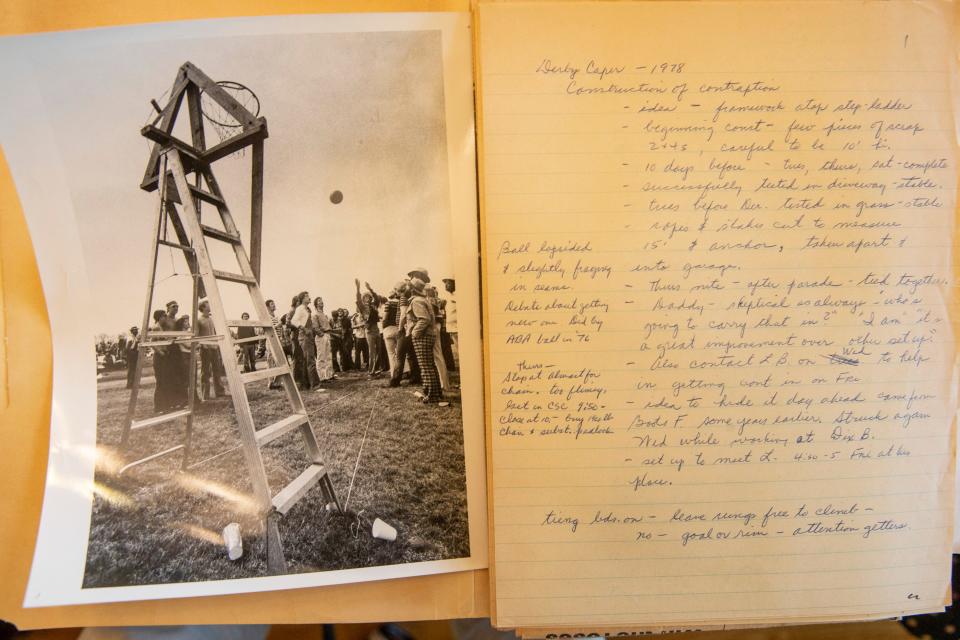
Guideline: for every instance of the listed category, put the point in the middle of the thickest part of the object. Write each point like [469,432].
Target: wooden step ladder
[180,206]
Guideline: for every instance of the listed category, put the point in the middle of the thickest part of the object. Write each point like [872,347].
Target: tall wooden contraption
[182,175]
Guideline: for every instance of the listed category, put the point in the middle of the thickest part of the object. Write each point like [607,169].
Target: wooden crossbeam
[165,139]
[194,159]
[257,132]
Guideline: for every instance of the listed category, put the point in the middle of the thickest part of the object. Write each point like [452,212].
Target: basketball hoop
[220,120]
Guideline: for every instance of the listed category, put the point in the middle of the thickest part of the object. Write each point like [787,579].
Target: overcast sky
[361,113]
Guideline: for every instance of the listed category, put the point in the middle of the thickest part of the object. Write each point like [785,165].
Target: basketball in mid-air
[336,197]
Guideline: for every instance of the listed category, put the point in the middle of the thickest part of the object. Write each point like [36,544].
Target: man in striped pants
[421,319]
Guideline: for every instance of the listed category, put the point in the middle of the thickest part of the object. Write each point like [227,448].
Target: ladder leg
[276,562]
[145,323]
[329,494]
[191,374]
[134,392]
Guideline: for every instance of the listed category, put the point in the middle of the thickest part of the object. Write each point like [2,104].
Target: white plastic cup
[233,541]
[383,531]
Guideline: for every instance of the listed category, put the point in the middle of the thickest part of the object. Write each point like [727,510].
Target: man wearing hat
[421,273]
[132,354]
[420,319]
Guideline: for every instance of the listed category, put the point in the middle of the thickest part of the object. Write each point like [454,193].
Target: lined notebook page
[718,243]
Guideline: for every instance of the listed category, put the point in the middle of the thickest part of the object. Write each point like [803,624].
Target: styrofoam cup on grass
[233,541]
[383,531]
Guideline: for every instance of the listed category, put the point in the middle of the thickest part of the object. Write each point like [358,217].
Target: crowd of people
[409,334]
[116,353]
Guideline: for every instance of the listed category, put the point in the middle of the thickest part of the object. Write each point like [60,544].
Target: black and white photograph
[273,288]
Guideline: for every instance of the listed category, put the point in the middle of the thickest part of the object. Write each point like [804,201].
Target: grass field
[158,524]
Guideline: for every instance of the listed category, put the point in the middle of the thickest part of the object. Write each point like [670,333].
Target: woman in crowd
[321,333]
[361,354]
[248,350]
[346,341]
[367,304]
[304,323]
[285,334]
[335,342]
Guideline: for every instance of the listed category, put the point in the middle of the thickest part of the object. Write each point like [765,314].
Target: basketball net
[224,125]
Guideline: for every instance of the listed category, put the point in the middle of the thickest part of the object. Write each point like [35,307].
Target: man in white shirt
[451,323]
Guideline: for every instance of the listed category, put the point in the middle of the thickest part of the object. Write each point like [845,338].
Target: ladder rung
[175,245]
[166,139]
[219,235]
[155,420]
[249,323]
[206,196]
[260,374]
[147,344]
[253,339]
[149,458]
[277,429]
[292,493]
[169,334]
[233,277]
[156,343]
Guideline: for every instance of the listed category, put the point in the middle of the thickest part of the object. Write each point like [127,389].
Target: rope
[214,457]
[360,452]
[173,265]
